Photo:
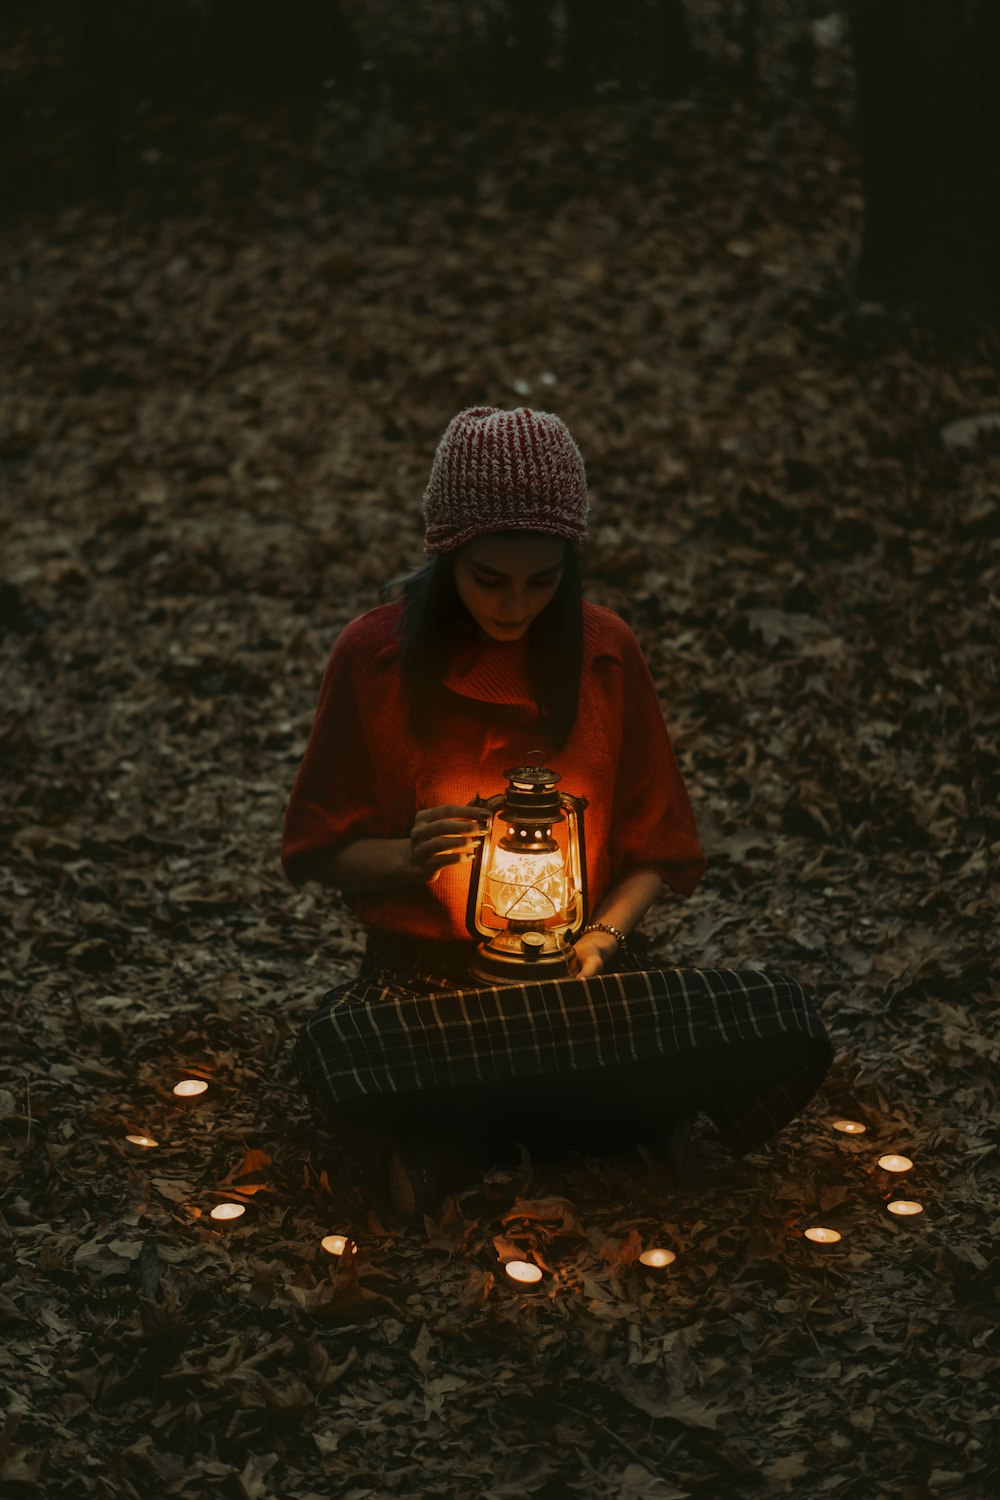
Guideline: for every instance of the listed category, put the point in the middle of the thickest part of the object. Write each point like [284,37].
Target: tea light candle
[850,1127]
[523,1274]
[337,1244]
[227,1211]
[821,1236]
[904,1208]
[656,1260]
[190,1088]
[141,1143]
[893,1163]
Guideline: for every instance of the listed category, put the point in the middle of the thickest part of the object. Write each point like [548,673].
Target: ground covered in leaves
[214,435]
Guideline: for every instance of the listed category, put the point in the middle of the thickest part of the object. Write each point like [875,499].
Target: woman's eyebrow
[494,573]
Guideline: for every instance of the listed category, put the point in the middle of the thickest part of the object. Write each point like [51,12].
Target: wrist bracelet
[615,932]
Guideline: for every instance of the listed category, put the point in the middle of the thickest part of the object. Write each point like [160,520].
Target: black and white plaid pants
[619,1055]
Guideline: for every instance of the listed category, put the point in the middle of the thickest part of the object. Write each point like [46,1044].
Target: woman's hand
[590,953]
[445,836]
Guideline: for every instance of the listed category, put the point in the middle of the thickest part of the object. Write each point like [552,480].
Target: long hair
[434,617]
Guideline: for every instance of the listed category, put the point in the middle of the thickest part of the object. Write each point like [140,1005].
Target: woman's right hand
[445,836]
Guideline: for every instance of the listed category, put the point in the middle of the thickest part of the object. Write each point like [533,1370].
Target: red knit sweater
[364,776]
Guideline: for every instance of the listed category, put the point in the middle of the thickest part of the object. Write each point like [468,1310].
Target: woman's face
[505,580]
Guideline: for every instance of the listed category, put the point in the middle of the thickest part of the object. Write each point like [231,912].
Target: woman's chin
[498,632]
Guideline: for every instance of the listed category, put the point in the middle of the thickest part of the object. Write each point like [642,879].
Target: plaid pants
[624,1052]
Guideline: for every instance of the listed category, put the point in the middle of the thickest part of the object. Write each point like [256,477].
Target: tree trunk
[928,73]
[676,55]
[96,34]
[532,25]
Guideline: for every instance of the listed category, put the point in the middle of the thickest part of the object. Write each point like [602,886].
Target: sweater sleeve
[333,800]
[652,822]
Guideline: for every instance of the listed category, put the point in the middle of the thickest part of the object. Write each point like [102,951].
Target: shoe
[425,1170]
[673,1148]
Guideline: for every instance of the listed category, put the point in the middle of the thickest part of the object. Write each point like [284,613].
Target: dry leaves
[214,433]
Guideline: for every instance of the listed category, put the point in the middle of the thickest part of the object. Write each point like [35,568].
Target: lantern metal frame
[533,947]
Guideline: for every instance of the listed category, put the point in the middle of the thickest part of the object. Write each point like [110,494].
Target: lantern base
[523,957]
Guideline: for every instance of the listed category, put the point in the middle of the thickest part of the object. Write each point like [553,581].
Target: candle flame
[334,1244]
[904,1208]
[189,1087]
[657,1258]
[145,1141]
[850,1127]
[523,1271]
[894,1163]
[228,1211]
[822,1236]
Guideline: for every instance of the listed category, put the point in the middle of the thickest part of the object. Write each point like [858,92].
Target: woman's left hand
[591,952]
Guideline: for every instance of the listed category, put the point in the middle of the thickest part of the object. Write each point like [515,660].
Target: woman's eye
[486,583]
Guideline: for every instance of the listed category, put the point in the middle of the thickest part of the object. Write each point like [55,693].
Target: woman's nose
[515,606]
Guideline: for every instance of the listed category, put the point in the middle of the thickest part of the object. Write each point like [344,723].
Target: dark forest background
[255,256]
[121,99]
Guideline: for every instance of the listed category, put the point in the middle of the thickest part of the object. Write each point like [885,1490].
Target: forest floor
[214,435]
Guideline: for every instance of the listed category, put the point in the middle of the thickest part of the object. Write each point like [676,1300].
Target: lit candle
[140,1143]
[224,1211]
[904,1207]
[895,1163]
[337,1244]
[656,1260]
[850,1127]
[822,1236]
[189,1088]
[523,1274]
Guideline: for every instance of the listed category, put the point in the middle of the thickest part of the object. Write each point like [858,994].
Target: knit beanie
[504,471]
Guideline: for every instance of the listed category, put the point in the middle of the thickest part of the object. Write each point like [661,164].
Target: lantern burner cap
[532,778]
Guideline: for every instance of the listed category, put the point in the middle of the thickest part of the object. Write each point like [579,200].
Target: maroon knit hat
[504,471]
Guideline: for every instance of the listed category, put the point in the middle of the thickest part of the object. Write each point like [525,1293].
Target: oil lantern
[528,891]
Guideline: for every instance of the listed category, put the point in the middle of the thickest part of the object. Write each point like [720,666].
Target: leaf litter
[215,432]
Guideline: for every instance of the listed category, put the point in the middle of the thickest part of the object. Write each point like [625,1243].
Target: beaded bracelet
[615,932]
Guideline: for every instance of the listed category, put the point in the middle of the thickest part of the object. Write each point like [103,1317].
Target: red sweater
[364,776]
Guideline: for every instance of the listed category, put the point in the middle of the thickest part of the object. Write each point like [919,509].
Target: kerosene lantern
[528,891]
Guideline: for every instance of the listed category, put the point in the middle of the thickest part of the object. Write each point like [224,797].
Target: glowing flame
[228,1211]
[523,1272]
[657,1258]
[822,1236]
[526,887]
[189,1088]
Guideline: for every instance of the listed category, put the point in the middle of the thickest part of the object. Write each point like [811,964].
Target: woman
[490,657]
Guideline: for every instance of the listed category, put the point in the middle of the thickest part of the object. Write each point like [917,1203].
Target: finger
[446,843]
[592,964]
[464,826]
[467,811]
[451,857]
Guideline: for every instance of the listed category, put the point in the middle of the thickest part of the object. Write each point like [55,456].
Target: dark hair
[434,617]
